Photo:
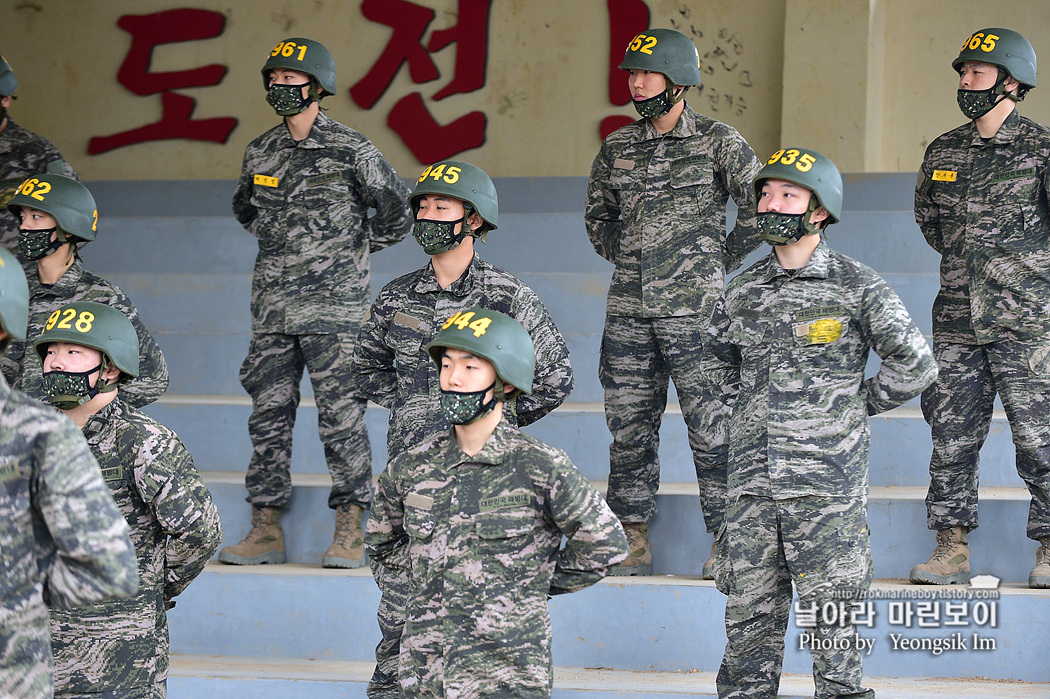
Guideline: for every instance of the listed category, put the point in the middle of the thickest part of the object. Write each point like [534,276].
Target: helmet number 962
[646,47]
[802,161]
[82,324]
[462,321]
[440,172]
[974,42]
[35,188]
[287,48]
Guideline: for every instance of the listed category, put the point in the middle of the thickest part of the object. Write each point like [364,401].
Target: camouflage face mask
[976,103]
[35,244]
[465,408]
[437,236]
[781,229]
[68,389]
[654,106]
[287,100]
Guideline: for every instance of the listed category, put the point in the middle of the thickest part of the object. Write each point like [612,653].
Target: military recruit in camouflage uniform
[307,201]
[63,541]
[120,648]
[22,154]
[656,208]
[793,344]
[981,202]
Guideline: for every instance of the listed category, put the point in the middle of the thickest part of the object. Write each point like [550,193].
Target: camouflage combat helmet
[14,296]
[493,336]
[466,182]
[97,326]
[664,51]
[306,56]
[806,168]
[8,81]
[64,198]
[1003,48]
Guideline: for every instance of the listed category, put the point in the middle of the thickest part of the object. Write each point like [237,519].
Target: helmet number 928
[82,324]
[975,42]
[646,47]
[440,172]
[462,321]
[287,48]
[802,161]
[35,188]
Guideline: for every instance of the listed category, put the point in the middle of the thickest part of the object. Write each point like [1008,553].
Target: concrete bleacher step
[271,678]
[660,624]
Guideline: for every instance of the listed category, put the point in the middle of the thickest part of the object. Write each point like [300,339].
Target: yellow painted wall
[866,81]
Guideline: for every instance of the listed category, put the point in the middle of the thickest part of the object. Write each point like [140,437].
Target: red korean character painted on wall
[148,32]
[410,119]
[627,19]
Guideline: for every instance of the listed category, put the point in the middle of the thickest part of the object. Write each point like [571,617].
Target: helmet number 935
[287,48]
[82,324]
[462,321]
[35,188]
[802,161]
[646,47]
[975,42]
[440,172]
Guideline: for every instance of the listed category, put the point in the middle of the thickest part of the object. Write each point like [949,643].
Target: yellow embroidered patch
[265,180]
[944,175]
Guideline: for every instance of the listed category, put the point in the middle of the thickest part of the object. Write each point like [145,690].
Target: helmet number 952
[35,188]
[440,172]
[287,48]
[462,321]
[974,42]
[82,324]
[646,47]
[802,161]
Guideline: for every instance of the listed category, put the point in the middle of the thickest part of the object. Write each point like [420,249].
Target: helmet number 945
[287,48]
[646,47]
[82,324]
[802,161]
[975,42]
[462,321]
[35,188]
[440,172]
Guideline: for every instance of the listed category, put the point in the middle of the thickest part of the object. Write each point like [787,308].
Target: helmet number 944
[975,42]
[440,172]
[463,321]
[35,188]
[802,161]
[82,324]
[643,43]
[287,48]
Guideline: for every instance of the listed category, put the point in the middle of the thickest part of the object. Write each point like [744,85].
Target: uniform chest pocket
[267,195]
[17,549]
[625,177]
[406,337]
[506,534]
[749,336]
[419,523]
[820,331]
[691,171]
[1022,225]
[326,190]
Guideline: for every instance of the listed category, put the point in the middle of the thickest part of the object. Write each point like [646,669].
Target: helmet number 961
[462,321]
[440,172]
[975,42]
[646,47]
[35,188]
[802,161]
[287,48]
[82,324]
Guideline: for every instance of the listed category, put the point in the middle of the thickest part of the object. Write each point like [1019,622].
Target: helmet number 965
[646,47]
[802,161]
[82,324]
[440,172]
[975,42]
[35,188]
[287,48]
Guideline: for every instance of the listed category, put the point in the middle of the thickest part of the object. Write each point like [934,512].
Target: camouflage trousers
[153,691]
[26,666]
[819,544]
[958,408]
[271,374]
[393,606]
[639,356]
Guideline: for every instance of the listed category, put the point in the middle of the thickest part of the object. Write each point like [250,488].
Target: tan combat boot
[348,548]
[639,560]
[264,543]
[950,562]
[708,571]
[1040,576]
